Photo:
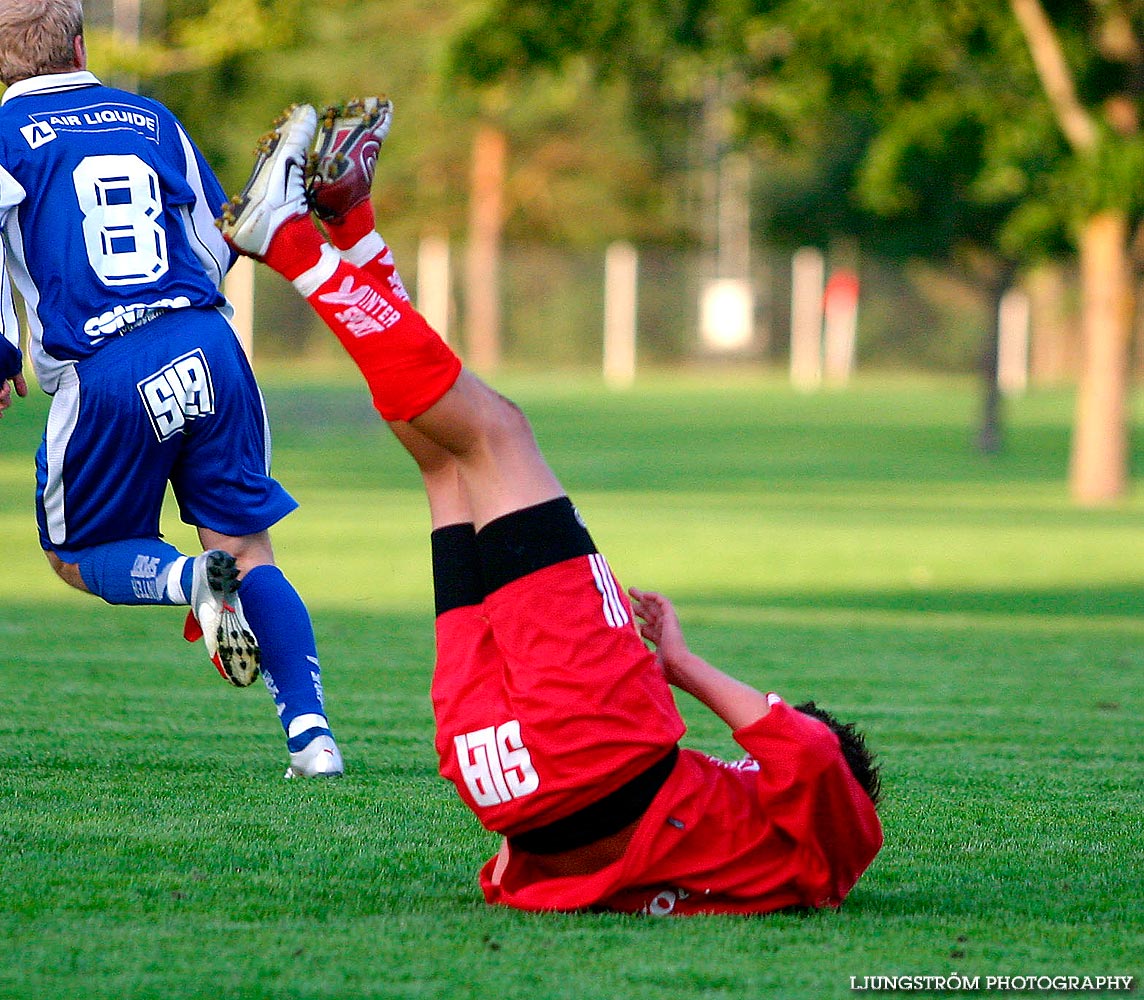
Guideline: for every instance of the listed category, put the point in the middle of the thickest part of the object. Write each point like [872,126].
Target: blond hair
[37,37]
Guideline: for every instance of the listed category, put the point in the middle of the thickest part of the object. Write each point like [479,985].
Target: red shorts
[546,698]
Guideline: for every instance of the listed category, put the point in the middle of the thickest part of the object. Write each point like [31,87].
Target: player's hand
[659,625]
[736,703]
[6,388]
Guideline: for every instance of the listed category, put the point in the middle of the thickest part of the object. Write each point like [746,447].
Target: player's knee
[68,572]
[252,551]
[248,550]
[507,422]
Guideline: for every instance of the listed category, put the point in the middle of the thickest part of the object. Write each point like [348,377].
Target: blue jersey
[107,210]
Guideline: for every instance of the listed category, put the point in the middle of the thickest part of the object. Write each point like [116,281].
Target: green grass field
[849,547]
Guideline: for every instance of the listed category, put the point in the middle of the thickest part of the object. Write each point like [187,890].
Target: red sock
[407,366]
[348,229]
[295,248]
[354,235]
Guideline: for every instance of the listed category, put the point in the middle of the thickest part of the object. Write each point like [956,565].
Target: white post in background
[840,327]
[808,270]
[433,282]
[621,276]
[727,315]
[1013,342]
[239,290]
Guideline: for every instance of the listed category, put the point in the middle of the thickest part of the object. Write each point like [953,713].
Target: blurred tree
[867,121]
[909,133]
[985,135]
[203,36]
[1096,99]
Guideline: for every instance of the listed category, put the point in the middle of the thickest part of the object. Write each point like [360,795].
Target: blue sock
[289,661]
[137,571]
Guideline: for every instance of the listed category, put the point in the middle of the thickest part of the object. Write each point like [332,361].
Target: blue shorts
[172,401]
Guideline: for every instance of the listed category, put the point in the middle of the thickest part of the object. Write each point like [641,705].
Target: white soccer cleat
[276,190]
[320,758]
[344,158]
[215,606]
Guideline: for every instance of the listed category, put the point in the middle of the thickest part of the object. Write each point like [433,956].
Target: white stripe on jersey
[268,448]
[204,236]
[615,614]
[62,419]
[11,194]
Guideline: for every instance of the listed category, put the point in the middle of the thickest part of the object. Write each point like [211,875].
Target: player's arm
[736,703]
[11,358]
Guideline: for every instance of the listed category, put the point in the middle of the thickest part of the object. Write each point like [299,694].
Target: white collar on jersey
[50,83]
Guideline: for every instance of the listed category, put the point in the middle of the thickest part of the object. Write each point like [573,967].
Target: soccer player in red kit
[555,721]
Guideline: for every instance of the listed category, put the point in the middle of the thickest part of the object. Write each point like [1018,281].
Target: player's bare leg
[68,572]
[248,550]
[498,459]
[440,474]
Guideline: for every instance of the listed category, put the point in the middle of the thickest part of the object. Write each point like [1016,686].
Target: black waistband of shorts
[531,539]
[603,817]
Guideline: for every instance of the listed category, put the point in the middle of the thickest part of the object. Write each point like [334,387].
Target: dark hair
[858,756]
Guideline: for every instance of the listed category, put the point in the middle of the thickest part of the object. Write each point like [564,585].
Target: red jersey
[787,826]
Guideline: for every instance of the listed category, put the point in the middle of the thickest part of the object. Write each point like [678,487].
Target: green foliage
[955,132]
[578,174]
[657,58]
[509,40]
[919,126]
[205,39]
[1108,177]
[232,26]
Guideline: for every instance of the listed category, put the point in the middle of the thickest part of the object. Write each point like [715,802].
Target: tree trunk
[1099,466]
[989,433]
[1098,471]
[483,258]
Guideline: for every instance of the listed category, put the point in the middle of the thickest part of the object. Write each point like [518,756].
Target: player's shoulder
[143,101]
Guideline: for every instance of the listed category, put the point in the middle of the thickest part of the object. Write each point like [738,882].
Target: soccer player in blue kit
[107,210]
